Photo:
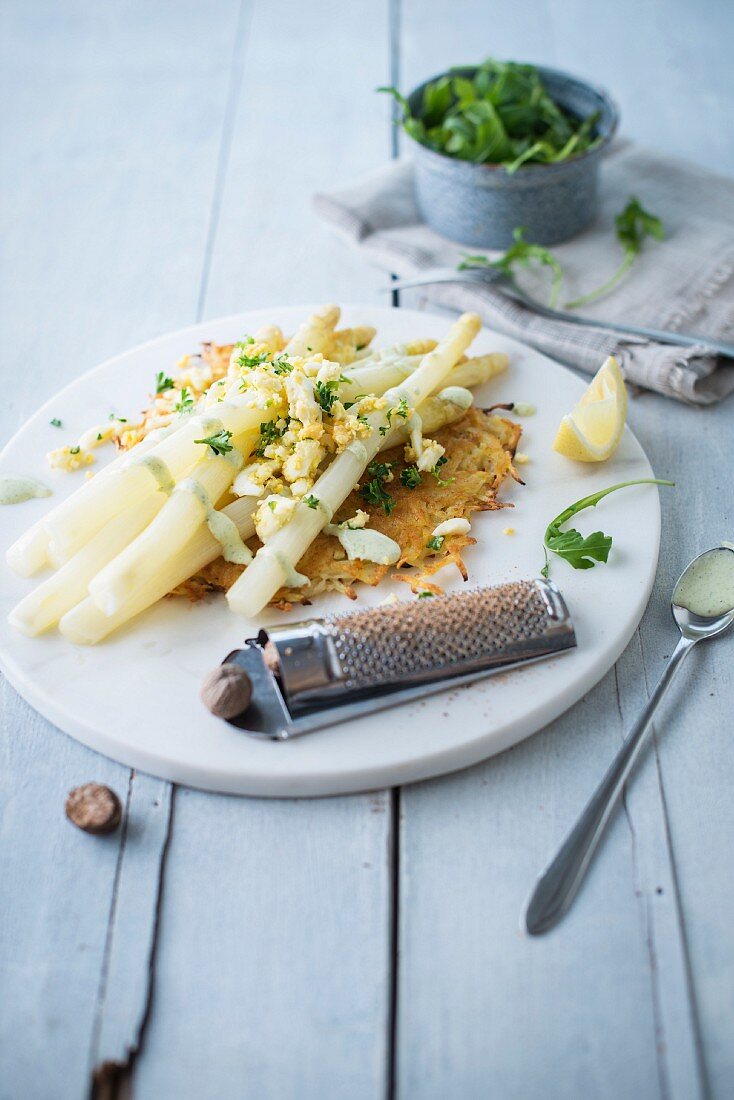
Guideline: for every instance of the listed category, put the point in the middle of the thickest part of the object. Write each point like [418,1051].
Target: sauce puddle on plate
[14,490]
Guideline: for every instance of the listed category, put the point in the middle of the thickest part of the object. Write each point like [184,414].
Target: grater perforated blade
[312,674]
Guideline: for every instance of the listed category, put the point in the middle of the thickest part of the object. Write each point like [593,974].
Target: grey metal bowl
[480,204]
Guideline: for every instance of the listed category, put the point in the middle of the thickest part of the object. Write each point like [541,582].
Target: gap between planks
[113,1080]
[701,1067]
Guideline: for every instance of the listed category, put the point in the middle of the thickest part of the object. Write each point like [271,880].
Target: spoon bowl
[703,589]
[702,606]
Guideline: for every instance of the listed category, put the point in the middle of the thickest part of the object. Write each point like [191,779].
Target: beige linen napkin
[685,283]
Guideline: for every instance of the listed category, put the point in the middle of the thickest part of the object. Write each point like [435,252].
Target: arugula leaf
[163,382]
[219,443]
[496,113]
[524,253]
[580,552]
[633,226]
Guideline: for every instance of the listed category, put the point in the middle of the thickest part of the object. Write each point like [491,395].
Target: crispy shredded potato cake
[479,450]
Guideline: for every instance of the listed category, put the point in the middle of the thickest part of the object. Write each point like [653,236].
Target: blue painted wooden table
[158,164]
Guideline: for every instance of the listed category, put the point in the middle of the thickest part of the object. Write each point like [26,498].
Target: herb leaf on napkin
[524,253]
[633,225]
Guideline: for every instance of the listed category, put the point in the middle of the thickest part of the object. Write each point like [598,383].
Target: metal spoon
[557,886]
[488,275]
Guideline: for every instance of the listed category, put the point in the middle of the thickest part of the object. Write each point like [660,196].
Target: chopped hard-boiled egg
[456,526]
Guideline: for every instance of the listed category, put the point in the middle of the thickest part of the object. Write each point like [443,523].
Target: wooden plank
[113,119]
[693,740]
[307,120]
[272,951]
[125,980]
[272,968]
[631,1003]
[57,890]
[573,1013]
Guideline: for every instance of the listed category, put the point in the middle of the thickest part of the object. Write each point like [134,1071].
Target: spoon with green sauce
[702,606]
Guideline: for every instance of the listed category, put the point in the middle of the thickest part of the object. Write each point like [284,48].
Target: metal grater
[312,674]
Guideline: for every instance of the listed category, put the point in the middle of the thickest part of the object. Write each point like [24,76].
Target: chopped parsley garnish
[269,433]
[99,436]
[441,462]
[55,423]
[374,491]
[245,360]
[185,403]
[119,419]
[410,477]
[435,543]
[163,382]
[381,470]
[326,394]
[74,450]
[281,364]
[426,595]
[219,443]
[401,409]
[272,505]
[311,501]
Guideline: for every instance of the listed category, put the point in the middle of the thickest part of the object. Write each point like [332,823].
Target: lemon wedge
[592,430]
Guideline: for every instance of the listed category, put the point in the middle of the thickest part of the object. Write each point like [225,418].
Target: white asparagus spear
[382,375]
[183,513]
[275,562]
[74,521]
[87,625]
[29,553]
[316,333]
[32,551]
[64,589]
[79,517]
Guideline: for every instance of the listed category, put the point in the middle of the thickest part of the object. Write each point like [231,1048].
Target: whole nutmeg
[93,808]
[227,691]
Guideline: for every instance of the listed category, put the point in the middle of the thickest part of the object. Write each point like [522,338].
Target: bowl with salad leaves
[503,144]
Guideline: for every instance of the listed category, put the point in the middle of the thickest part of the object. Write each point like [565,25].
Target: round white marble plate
[136,696]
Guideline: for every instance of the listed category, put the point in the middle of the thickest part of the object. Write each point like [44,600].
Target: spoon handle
[557,886]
